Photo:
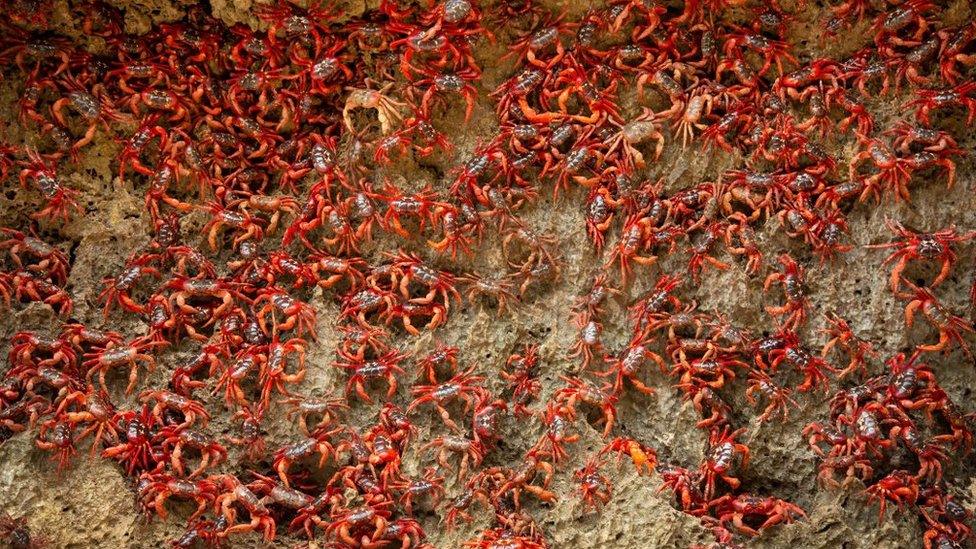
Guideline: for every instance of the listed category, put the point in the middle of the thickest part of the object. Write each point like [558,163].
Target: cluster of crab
[704,353]
[243,119]
[261,138]
[873,425]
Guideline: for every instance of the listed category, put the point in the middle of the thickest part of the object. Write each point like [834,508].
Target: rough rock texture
[92,504]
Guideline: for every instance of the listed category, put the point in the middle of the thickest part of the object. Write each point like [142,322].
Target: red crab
[47,259]
[558,420]
[234,492]
[157,488]
[899,487]
[776,396]
[595,489]
[430,484]
[842,337]
[767,512]
[58,438]
[415,271]
[93,409]
[386,366]
[367,522]
[794,309]
[928,100]
[320,444]
[60,200]
[117,289]
[472,452]
[130,354]
[950,326]
[175,440]
[137,452]
[298,315]
[936,246]
[721,458]
[579,390]
[169,402]
[643,457]
[464,386]
[502,537]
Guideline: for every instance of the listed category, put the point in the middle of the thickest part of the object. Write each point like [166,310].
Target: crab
[429,484]
[387,109]
[796,303]
[17,533]
[579,390]
[248,419]
[386,366]
[93,409]
[57,437]
[842,337]
[504,537]
[298,315]
[130,354]
[935,246]
[714,371]
[443,356]
[464,386]
[471,451]
[175,439]
[721,457]
[535,47]
[246,362]
[420,205]
[330,270]
[360,303]
[117,289]
[411,269]
[514,482]
[234,492]
[137,452]
[289,498]
[49,260]
[367,522]
[899,487]
[454,82]
[777,397]
[558,420]
[320,444]
[950,326]
[697,106]
[771,51]
[27,347]
[641,129]
[61,200]
[642,456]
[770,511]
[249,227]
[790,350]
[167,402]
[92,108]
[430,316]
[275,372]
[155,489]
[630,363]
[326,408]
[24,413]
[893,172]
[855,466]
[632,245]
[686,487]
[185,289]
[928,100]
[595,488]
